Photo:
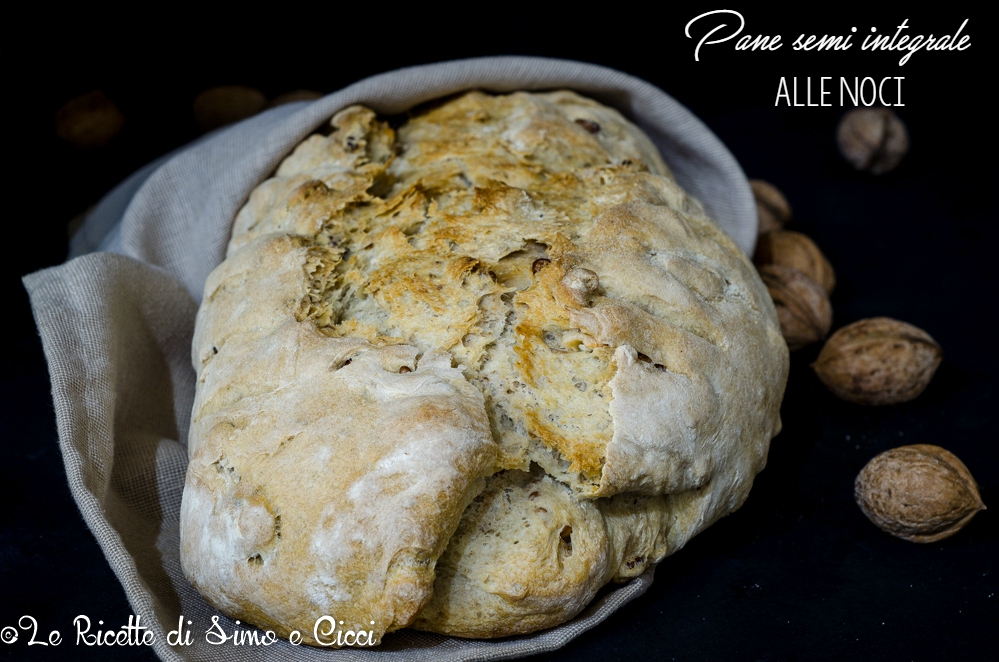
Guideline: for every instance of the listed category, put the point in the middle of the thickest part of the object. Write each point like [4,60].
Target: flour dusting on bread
[479,363]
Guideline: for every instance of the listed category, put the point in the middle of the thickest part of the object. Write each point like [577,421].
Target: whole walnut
[920,493]
[878,361]
[803,309]
[772,207]
[292,97]
[90,120]
[787,248]
[223,105]
[872,139]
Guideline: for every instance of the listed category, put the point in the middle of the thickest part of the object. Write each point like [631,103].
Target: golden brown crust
[522,271]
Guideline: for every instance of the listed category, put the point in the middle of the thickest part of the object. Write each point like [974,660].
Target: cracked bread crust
[505,295]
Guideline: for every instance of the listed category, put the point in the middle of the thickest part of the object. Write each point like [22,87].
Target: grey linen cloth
[117,319]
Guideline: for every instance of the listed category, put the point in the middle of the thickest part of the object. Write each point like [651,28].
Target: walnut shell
[223,105]
[786,248]
[920,493]
[872,139]
[803,309]
[878,361]
[772,207]
[90,120]
[292,97]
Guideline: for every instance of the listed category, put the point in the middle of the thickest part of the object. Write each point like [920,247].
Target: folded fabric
[117,325]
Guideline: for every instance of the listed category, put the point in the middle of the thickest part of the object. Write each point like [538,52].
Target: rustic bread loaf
[461,374]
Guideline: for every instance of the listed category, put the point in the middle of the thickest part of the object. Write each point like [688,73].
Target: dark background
[798,572]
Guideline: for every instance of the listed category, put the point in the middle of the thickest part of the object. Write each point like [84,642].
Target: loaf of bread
[460,371]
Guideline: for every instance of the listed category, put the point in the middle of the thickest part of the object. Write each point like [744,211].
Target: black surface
[798,572]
